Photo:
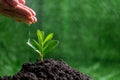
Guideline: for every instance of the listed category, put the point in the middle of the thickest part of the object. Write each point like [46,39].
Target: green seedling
[44,44]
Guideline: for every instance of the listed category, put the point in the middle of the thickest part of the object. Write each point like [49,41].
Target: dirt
[47,70]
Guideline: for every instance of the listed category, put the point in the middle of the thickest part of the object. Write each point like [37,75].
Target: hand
[17,10]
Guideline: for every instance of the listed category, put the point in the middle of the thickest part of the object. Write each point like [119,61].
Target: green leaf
[39,46]
[34,46]
[40,35]
[49,37]
[50,45]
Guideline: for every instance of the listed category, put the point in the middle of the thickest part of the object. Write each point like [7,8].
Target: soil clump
[47,70]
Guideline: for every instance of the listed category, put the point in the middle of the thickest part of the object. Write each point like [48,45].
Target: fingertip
[35,19]
[22,1]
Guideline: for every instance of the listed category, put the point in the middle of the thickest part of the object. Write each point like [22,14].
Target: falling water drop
[29,33]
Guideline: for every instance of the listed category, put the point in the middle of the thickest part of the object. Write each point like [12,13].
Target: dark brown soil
[47,70]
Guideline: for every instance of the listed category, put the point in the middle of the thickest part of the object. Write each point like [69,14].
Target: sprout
[44,44]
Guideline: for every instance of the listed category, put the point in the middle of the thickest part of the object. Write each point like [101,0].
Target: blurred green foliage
[88,31]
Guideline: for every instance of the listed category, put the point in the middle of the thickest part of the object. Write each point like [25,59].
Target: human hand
[17,10]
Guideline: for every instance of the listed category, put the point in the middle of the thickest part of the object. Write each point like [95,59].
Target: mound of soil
[47,70]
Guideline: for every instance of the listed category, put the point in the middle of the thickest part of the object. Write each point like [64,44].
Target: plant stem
[41,57]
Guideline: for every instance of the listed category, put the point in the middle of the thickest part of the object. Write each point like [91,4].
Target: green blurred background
[88,31]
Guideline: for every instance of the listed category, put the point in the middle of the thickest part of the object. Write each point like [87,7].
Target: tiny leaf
[50,45]
[33,46]
[39,47]
[40,35]
[49,37]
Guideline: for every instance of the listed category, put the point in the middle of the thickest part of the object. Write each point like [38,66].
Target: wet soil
[47,70]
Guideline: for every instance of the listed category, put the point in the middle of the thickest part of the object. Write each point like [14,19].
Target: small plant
[44,44]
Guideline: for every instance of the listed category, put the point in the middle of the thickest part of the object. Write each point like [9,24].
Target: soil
[47,70]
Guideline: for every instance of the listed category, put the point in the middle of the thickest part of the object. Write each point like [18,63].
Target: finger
[15,2]
[27,21]
[29,9]
[25,10]
[12,14]
[4,4]
[30,21]
[12,3]
[22,1]
[19,17]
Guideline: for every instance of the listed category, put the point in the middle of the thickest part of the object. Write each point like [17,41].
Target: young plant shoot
[44,44]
